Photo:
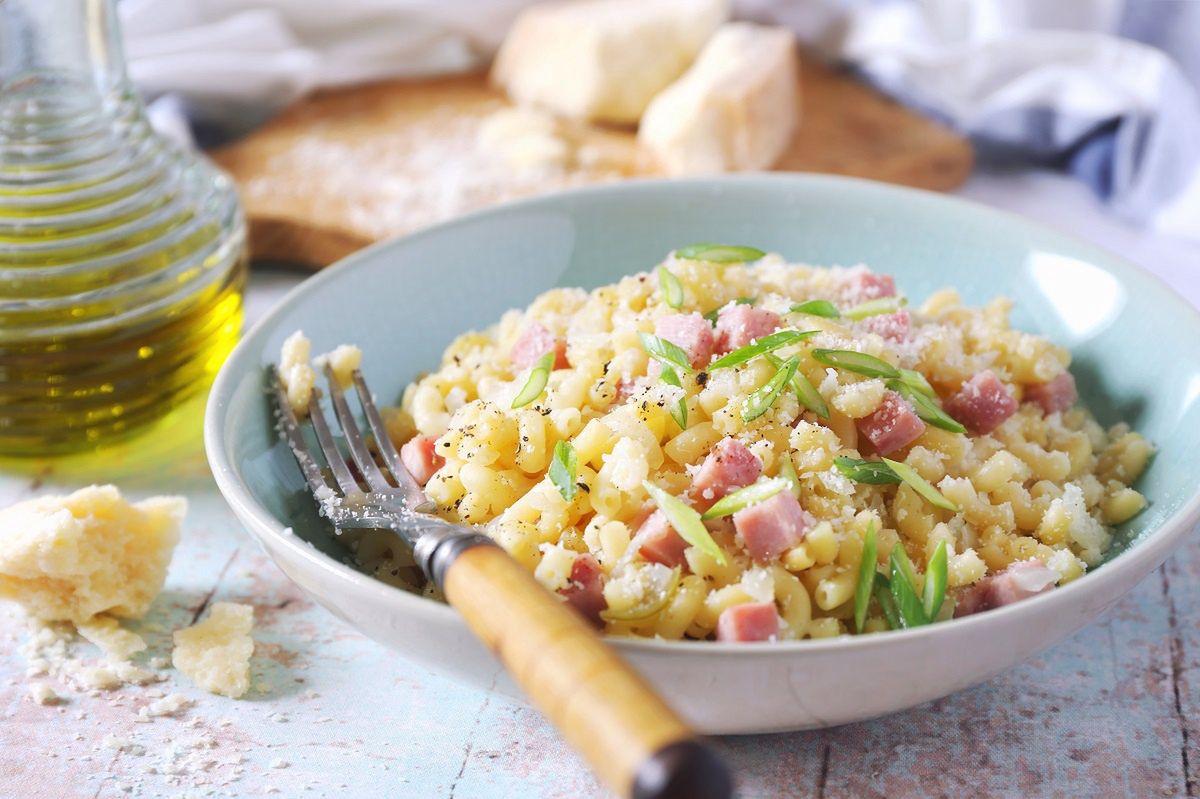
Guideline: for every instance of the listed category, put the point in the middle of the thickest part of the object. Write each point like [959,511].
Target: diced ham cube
[1020,580]
[772,527]
[753,621]
[728,466]
[420,458]
[738,325]
[1057,395]
[892,326]
[893,425]
[534,342]
[659,543]
[585,591]
[691,332]
[982,404]
[861,285]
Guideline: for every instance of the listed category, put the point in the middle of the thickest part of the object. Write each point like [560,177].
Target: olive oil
[122,256]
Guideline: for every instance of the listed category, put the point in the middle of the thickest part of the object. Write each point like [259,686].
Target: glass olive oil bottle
[122,256]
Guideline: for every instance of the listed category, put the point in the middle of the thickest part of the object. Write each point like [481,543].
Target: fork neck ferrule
[437,549]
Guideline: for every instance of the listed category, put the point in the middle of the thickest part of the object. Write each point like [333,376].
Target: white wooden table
[1113,711]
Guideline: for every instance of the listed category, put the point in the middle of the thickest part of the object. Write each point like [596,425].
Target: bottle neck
[56,42]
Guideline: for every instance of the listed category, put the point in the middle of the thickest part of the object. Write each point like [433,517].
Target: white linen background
[1028,77]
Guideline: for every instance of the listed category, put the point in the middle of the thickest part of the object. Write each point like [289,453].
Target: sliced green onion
[768,343]
[763,398]
[666,352]
[921,485]
[787,471]
[685,520]
[866,578]
[858,362]
[745,497]
[679,413]
[925,407]
[935,582]
[876,307]
[899,556]
[883,595]
[535,384]
[917,382]
[719,253]
[806,392]
[712,315]
[668,284]
[663,589]
[908,604]
[862,471]
[563,468]
[822,308]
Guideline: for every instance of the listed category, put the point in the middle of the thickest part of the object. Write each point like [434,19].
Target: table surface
[1115,710]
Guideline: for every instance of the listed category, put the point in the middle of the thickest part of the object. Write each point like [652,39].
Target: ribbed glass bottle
[122,256]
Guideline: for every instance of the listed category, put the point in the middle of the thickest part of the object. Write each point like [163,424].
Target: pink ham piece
[892,326]
[1057,395]
[659,543]
[420,458]
[772,527]
[729,465]
[893,425]
[534,342]
[982,404]
[738,325]
[862,285]
[753,621]
[585,591]
[1020,580]
[691,332]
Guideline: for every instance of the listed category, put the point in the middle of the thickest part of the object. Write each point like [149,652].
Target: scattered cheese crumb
[279,763]
[169,705]
[215,654]
[106,633]
[72,557]
[43,694]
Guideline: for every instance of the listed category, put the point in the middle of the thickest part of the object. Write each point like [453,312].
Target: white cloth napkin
[1034,81]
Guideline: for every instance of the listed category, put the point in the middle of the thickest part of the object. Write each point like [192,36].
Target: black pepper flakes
[702,378]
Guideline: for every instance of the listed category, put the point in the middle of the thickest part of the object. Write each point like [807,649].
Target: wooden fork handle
[627,734]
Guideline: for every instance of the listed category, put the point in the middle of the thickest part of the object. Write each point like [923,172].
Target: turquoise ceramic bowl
[403,301]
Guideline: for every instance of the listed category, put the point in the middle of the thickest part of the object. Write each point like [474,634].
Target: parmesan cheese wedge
[68,558]
[735,109]
[603,59]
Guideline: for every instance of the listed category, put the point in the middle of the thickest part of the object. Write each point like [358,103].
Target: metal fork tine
[414,496]
[290,427]
[329,447]
[354,440]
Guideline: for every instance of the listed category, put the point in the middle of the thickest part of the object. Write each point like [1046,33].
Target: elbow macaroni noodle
[1039,486]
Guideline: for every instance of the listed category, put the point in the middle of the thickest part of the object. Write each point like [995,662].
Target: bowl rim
[1146,553]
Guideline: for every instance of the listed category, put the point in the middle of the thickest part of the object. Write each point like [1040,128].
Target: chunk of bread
[735,109]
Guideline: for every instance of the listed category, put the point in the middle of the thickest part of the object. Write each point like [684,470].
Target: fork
[631,739]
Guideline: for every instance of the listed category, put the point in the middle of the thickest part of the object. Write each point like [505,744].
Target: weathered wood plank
[1181,584]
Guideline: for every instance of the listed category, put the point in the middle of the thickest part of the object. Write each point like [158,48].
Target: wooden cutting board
[344,169]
